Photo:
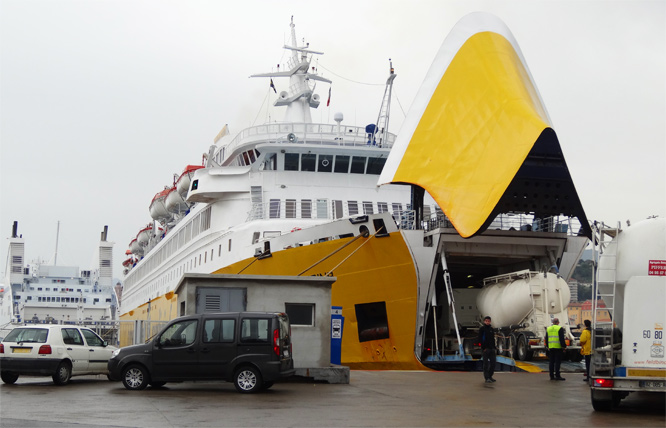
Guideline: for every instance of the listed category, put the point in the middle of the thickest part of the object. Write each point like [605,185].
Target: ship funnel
[15,230]
[105,232]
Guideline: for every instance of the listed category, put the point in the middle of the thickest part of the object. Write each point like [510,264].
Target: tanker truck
[522,305]
[630,277]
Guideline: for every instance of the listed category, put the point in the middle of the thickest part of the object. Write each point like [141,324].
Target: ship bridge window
[291,161]
[375,166]
[372,321]
[290,208]
[341,164]
[308,162]
[358,165]
[352,206]
[325,163]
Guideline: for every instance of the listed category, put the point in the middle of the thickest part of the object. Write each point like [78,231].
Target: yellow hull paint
[375,270]
[379,269]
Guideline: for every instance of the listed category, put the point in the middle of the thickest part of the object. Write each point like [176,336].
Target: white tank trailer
[628,353]
[522,305]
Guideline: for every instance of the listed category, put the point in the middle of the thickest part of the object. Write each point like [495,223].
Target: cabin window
[325,163]
[352,206]
[252,157]
[375,166]
[300,313]
[308,162]
[322,208]
[306,208]
[341,164]
[367,207]
[274,208]
[337,209]
[291,162]
[358,165]
[246,159]
[290,208]
[382,207]
[372,321]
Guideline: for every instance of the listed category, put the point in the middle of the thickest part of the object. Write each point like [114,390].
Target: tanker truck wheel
[523,353]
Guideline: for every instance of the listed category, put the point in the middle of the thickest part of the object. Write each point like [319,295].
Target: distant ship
[301,198]
[52,294]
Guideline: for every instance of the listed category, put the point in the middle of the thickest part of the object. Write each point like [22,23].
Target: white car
[59,351]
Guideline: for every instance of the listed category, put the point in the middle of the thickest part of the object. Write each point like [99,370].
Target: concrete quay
[371,399]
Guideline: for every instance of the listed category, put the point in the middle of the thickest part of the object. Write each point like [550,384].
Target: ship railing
[511,221]
[306,133]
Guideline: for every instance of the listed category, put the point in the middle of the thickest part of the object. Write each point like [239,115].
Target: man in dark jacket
[487,340]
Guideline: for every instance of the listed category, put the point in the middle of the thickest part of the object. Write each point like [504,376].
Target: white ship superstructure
[43,293]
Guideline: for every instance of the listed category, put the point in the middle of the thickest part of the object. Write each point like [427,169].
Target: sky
[102,102]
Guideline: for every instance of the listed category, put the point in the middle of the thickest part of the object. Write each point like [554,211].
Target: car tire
[248,380]
[135,377]
[9,378]
[62,374]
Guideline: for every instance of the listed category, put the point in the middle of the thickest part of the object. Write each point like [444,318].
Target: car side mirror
[105,344]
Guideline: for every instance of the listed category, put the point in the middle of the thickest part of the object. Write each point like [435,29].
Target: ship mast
[300,97]
[385,109]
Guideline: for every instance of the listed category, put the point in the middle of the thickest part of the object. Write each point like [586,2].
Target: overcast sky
[103,101]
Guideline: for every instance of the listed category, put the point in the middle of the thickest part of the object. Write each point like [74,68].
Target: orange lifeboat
[157,207]
[174,202]
[183,182]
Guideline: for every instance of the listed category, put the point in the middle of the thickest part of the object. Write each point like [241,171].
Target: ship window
[352,206]
[372,321]
[205,257]
[306,208]
[290,208]
[375,166]
[230,243]
[300,313]
[358,165]
[325,163]
[382,207]
[291,162]
[341,164]
[251,154]
[322,208]
[337,209]
[308,161]
[367,207]
[274,209]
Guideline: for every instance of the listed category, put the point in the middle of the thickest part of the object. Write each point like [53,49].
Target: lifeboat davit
[144,235]
[183,182]
[174,201]
[157,207]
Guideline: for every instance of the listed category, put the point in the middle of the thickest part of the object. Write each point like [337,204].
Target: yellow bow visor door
[474,122]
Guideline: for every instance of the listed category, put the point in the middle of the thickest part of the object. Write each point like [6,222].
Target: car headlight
[115,353]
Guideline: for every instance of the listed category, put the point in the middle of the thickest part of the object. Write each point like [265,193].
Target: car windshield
[27,335]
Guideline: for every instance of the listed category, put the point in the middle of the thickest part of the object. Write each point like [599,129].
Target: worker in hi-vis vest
[556,346]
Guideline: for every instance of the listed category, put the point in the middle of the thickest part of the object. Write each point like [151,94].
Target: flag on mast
[328,103]
[273,86]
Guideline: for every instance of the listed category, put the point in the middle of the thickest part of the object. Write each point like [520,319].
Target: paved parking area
[372,399]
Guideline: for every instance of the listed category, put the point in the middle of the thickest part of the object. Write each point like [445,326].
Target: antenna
[55,258]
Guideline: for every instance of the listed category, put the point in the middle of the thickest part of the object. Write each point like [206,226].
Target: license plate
[21,350]
[653,383]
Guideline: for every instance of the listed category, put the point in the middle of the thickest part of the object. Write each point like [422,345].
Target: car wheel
[9,378]
[63,373]
[135,378]
[248,380]
[157,384]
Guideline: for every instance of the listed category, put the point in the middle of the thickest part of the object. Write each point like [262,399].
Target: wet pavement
[372,399]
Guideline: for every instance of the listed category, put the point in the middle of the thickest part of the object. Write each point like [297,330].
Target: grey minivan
[251,349]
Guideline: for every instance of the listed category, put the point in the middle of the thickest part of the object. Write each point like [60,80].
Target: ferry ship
[43,293]
[386,215]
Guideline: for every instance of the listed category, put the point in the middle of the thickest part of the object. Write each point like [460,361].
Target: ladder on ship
[604,351]
[384,111]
